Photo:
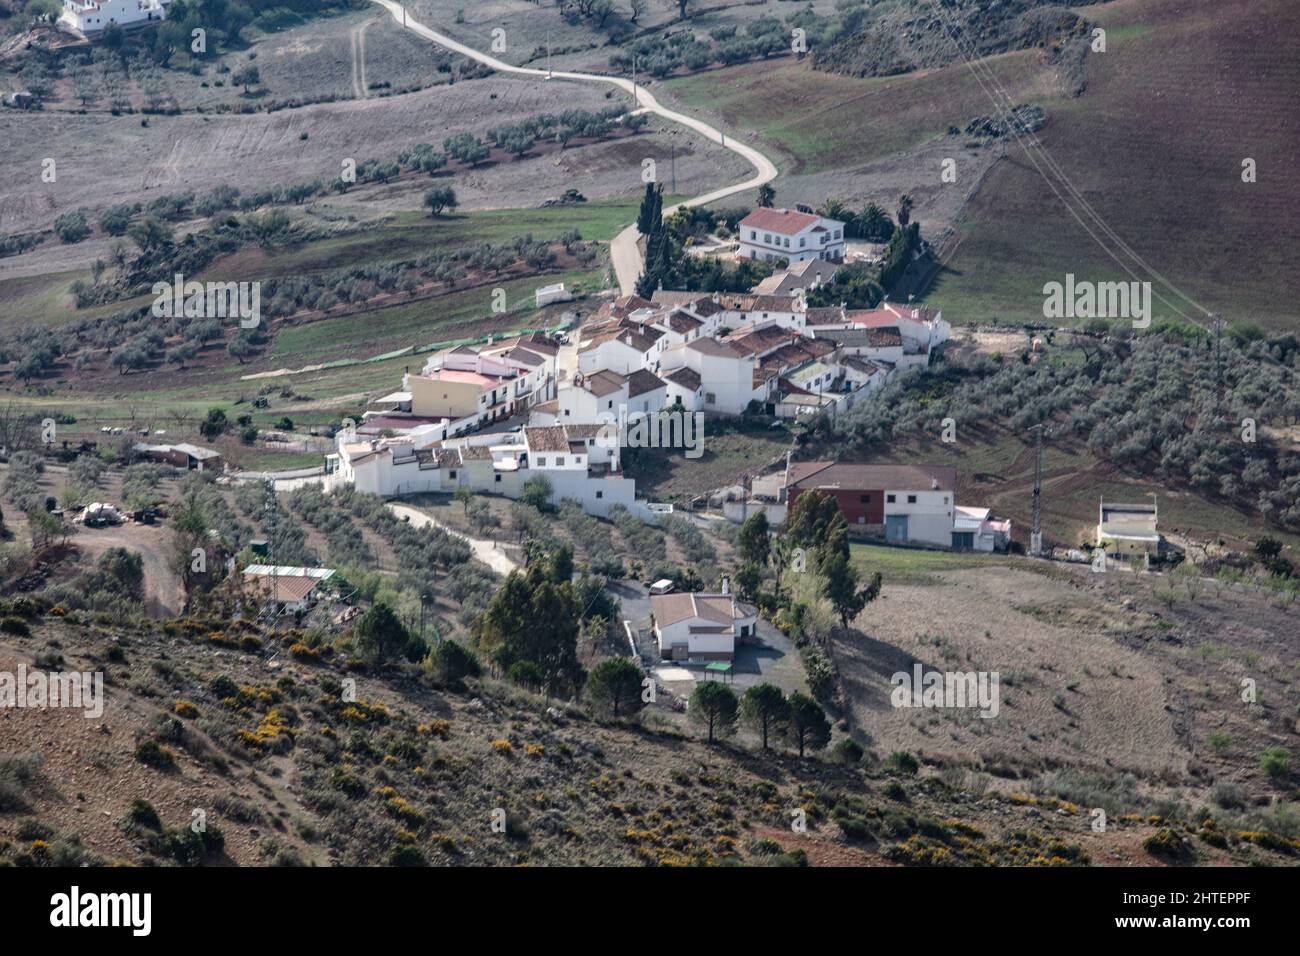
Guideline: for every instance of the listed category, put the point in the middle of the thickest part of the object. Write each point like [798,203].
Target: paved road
[485,551]
[623,251]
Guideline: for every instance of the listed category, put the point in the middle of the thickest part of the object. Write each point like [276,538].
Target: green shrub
[154,754]
[900,761]
[1276,762]
[848,752]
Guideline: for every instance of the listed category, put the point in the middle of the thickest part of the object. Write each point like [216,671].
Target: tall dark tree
[614,688]
[714,705]
[766,196]
[905,204]
[764,709]
[651,214]
[808,727]
[381,636]
[755,540]
[842,589]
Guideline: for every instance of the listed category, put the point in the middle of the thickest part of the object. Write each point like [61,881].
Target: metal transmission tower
[269,524]
[1036,532]
[1217,324]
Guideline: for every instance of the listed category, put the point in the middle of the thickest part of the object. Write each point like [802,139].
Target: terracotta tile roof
[546,438]
[603,382]
[475,453]
[538,342]
[705,307]
[682,322]
[668,297]
[720,609]
[785,221]
[918,312]
[884,337]
[685,377]
[287,589]
[762,339]
[642,381]
[822,315]
[718,347]
[813,474]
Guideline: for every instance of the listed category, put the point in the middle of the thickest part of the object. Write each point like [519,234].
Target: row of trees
[616,690]
[669,266]
[1164,403]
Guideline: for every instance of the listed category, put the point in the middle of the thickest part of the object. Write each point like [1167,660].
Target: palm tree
[834,209]
[873,222]
[905,209]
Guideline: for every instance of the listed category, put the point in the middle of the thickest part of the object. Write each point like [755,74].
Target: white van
[662,586]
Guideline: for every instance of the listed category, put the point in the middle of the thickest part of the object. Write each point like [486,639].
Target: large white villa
[92,16]
[772,234]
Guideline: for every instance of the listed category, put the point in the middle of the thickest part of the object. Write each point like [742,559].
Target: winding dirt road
[624,251]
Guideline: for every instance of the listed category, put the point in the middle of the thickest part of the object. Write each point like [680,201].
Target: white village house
[771,234]
[93,16]
[701,627]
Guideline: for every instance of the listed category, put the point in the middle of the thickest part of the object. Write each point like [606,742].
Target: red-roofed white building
[771,234]
[921,328]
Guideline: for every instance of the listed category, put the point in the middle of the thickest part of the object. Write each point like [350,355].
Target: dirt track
[624,252]
[164,597]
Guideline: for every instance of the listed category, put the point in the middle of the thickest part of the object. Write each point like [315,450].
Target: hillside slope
[1185,92]
[286,771]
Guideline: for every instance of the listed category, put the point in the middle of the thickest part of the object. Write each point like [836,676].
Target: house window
[541,462]
[497,478]
[767,237]
[803,241]
[710,398]
[945,499]
[566,412]
[600,494]
[911,499]
[559,462]
[889,499]
[753,234]
[610,403]
[864,499]
[452,474]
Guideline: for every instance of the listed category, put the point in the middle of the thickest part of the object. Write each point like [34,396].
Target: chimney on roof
[934,484]
[726,585]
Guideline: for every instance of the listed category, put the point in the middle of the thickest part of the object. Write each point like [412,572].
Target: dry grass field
[1099,673]
[1184,93]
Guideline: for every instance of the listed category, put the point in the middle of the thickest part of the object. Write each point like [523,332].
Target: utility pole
[1217,323]
[673,164]
[1036,532]
[269,523]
